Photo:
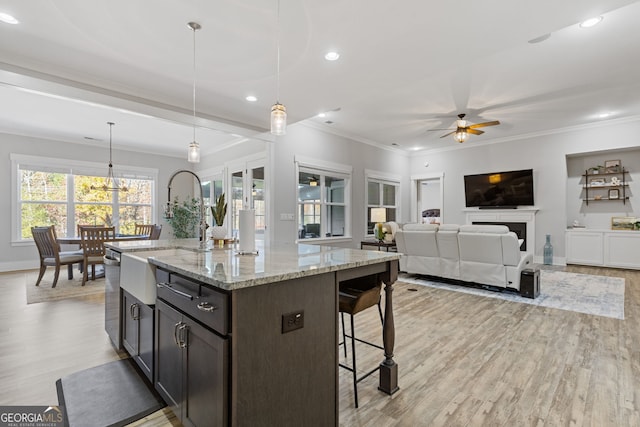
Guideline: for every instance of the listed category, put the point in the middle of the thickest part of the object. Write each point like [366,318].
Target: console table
[379,244]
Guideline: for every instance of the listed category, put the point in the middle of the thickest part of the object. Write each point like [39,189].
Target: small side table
[379,244]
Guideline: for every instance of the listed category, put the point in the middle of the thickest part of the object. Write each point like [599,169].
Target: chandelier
[110,183]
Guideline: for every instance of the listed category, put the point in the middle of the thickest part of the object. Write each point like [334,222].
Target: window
[323,208]
[211,190]
[382,192]
[58,192]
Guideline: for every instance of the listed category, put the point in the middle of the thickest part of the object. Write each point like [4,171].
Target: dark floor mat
[113,394]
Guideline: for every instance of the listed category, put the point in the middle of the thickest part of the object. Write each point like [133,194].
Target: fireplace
[521,221]
[520,228]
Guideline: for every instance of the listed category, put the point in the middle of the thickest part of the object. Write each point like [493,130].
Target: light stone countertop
[224,268]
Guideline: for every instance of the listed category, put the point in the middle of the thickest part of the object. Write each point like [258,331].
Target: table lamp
[378,215]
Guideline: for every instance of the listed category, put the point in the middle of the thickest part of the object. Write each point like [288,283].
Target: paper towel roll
[247,231]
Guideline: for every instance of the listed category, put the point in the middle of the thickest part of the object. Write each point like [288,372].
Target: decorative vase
[547,253]
[218,232]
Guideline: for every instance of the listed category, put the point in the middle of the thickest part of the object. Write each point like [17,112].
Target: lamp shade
[193,155]
[378,214]
[278,119]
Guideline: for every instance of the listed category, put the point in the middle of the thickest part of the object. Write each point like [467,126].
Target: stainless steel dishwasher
[112,297]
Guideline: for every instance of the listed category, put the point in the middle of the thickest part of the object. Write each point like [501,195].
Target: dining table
[77,241]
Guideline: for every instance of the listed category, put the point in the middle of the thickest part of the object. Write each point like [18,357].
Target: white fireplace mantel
[525,215]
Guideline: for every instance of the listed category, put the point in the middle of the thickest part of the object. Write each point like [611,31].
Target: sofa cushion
[449,227]
[484,228]
[420,227]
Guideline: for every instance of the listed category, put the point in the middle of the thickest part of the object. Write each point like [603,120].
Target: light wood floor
[463,360]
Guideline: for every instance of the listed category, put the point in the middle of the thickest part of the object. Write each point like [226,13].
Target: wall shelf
[598,193]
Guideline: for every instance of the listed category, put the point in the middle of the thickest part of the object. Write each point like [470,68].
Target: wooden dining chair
[144,230]
[93,250]
[155,233]
[50,253]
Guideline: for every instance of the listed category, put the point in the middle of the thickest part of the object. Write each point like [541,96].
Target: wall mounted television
[499,189]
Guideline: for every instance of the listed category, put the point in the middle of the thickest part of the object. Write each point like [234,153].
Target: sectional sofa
[480,254]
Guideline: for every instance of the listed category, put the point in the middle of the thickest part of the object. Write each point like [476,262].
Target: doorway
[427,199]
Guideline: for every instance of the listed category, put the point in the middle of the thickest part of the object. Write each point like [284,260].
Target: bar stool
[354,297]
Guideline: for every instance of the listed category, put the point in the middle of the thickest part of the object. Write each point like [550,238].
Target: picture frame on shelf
[614,194]
[612,166]
[622,222]
[596,182]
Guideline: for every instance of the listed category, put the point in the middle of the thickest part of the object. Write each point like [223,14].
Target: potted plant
[219,211]
[596,169]
[185,219]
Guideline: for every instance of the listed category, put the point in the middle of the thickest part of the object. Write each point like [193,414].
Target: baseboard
[18,266]
[562,261]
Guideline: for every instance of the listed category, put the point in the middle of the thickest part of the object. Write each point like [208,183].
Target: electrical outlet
[292,321]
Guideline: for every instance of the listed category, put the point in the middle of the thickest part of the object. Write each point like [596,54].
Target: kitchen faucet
[203,224]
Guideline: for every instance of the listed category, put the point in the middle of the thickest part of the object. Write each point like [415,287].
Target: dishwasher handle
[175,291]
[110,261]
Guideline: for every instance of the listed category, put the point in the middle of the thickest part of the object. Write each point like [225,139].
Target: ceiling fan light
[278,119]
[193,154]
[460,136]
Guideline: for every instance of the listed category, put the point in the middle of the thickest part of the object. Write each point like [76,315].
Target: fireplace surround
[521,220]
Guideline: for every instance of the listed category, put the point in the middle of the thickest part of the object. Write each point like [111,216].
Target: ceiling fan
[462,131]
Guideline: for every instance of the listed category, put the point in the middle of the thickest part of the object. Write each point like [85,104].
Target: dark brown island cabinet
[262,355]
[137,332]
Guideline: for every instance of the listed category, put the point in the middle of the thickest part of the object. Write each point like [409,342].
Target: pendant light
[111,183]
[193,155]
[278,111]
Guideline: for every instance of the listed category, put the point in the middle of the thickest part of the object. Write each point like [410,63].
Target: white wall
[16,257]
[546,155]
[309,142]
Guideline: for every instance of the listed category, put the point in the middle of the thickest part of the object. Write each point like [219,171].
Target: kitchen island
[253,339]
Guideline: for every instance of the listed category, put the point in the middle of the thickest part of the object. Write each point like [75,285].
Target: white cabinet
[584,247]
[607,248]
[622,249]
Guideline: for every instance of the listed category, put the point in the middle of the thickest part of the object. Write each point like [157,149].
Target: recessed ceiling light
[591,22]
[604,115]
[332,56]
[322,115]
[8,19]
[251,98]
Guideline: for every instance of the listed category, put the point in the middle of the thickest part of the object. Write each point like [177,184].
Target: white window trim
[326,167]
[385,178]
[68,166]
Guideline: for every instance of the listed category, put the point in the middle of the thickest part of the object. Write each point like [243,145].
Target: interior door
[248,191]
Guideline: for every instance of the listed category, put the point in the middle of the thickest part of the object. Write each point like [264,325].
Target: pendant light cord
[110,135]
[194,82]
[278,52]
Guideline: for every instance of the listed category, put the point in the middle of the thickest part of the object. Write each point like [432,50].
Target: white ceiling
[406,67]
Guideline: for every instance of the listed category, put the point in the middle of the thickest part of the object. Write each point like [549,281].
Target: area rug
[113,394]
[583,293]
[64,288]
